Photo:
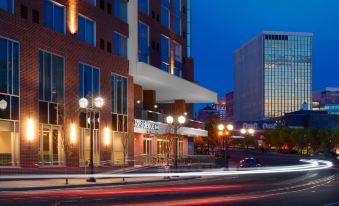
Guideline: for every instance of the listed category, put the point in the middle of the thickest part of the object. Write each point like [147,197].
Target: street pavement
[298,188]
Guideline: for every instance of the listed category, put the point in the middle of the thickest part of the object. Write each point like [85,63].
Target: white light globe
[83,103]
[251,131]
[221,127]
[181,119]
[3,104]
[169,119]
[243,131]
[99,102]
[230,127]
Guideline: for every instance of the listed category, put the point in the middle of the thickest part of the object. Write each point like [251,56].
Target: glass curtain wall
[288,73]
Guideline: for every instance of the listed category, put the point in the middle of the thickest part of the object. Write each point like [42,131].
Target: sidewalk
[46,184]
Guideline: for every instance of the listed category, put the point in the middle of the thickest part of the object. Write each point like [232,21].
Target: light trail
[310,165]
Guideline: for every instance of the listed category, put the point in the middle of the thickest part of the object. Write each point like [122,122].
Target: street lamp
[91,110]
[225,133]
[176,123]
[249,131]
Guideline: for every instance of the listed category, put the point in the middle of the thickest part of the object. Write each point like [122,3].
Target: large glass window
[177,59]
[55,16]
[9,143]
[165,13]
[51,88]
[9,79]
[120,45]
[143,42]
[165,53]
[86,31]
[89,78]
[7,5]
[143,6]
[177,16]
[119,103]
[120,9]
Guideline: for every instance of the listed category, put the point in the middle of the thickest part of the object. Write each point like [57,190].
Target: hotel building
[272,75]
[135,55]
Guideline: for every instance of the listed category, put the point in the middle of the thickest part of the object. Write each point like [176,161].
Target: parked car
[249,162]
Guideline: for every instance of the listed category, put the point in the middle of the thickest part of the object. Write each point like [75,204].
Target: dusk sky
[221,26]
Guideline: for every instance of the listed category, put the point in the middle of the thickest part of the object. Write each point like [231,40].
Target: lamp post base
[91,179]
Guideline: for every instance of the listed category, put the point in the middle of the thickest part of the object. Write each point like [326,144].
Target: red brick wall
[33,37]
[156,29]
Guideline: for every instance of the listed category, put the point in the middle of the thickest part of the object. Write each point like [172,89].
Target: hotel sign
[143,126]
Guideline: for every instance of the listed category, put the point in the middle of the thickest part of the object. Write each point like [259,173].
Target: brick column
[149,99]
[179,106]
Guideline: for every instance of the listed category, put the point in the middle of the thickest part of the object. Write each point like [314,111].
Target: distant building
[326,99]
[220,107]
[272,75]
[230,106]
[311,119]
[207,114]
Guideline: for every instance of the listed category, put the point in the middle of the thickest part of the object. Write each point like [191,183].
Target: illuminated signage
[146,126]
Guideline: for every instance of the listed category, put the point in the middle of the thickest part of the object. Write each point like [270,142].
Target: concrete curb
[91,185]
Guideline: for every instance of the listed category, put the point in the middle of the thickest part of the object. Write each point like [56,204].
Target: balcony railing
[160,117]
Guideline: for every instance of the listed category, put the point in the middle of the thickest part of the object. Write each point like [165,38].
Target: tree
[297,137]
[268,136]
[313,139]
[213,139]
[284,136]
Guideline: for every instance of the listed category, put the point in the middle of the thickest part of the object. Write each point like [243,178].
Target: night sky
[221,26]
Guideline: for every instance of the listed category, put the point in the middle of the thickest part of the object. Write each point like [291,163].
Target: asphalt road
[299,188]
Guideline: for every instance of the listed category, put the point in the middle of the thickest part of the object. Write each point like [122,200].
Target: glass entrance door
[51,148]
[148,150]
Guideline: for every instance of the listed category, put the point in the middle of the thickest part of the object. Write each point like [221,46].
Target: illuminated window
[9,143]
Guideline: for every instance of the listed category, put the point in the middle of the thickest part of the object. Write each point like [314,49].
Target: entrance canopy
[169,87]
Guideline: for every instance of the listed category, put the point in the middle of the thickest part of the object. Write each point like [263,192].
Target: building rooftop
[275,33]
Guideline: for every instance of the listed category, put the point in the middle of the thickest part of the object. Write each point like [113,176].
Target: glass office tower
[273,75]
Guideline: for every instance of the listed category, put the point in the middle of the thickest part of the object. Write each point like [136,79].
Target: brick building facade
[89,44]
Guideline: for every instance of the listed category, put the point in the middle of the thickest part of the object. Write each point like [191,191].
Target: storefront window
[9,143]
[180,148]
[119,146]
[85,146]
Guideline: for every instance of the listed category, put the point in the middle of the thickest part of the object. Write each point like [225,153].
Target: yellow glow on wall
[107,135]
[73,134]
[30,129]
[72,17]
[172,57]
